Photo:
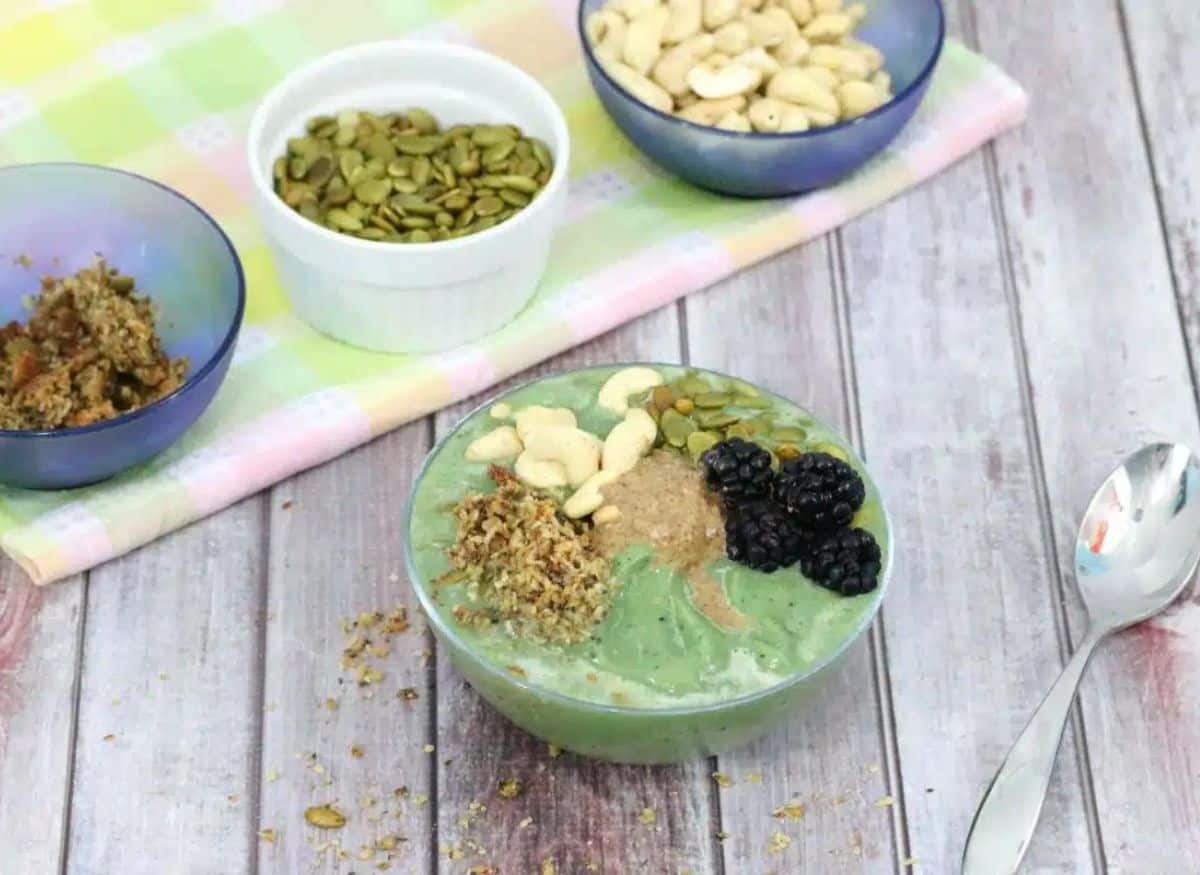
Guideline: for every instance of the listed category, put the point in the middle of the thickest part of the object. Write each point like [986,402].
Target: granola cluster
[89,352]
[535,569]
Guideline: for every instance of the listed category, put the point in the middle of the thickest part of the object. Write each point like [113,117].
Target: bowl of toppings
[410,191]
[120,304]
[761,99]
[646,563]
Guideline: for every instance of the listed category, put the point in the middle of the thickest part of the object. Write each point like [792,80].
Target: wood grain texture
[336,550]
[1108,372]
[1164,38]
[39,661]
[165,753]
[582,811]
[970,624]
[777,325]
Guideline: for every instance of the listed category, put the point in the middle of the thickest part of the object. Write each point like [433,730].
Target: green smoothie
[655,648]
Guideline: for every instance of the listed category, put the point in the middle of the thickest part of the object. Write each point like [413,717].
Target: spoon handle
[1010,809]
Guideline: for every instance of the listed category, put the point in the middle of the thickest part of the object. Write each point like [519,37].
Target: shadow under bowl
[910,33]
[56,219]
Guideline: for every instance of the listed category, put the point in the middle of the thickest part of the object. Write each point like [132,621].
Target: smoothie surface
[671,638]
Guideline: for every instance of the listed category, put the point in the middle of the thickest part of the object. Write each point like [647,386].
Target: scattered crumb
[233,798]
[754,778]
[109,737]
[324,817]
[24,261]
[525,823]
[910,861]
[884,802]
[287,505]
[779,842]
[356,751]
[792,810]
[272,776]
[510,788]
[722,835]
[648,817]
[268,835]
[429,748]
[555,751]
[592,866]
[331,704]
[515,670]
[548,867]
[162,675]
[485,869]
[421,799]
[722,779]
[408,694]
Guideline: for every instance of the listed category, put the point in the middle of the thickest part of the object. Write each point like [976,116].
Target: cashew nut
[707,112]
[794,119]
[631,9]
[683,22]
[626,443]
[671,70]
[857,12]
[758,58]
[614,394]
[643,41]
[823,76]
[802,10]
[819,118]
[610,513]
[540,474]
[734,121]
[753,5]
[573,448]
[870,54]
[791,51]
[606,31]
[499,443]
[645,90]
[846,63]
[644,423]
[729,80]
[823,6]
[859,98]
[828,27]
[766,114]
[719,12]
[882,80]
[500,411]
[796,86]
[537,416]
[766,30]
[587,497]
[732,38]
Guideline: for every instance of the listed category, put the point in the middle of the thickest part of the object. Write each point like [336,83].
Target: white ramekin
[410,297]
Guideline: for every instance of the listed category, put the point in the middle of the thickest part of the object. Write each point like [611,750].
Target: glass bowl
[621,733]
[910,33]
[56,219]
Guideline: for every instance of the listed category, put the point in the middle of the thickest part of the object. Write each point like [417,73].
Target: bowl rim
[193,378]
[261,179]
[918,81]
[443,629]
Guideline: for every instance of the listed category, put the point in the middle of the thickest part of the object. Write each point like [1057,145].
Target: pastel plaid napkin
[166,88]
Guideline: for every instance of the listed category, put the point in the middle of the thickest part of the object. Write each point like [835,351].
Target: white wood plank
[167,736]
[583,812]
[336,550]
[1109,372]
[1165,41]
[970,625]
[39,660]
[776,325]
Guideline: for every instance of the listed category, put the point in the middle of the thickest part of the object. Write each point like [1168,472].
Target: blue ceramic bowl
[58,216]
[909,32]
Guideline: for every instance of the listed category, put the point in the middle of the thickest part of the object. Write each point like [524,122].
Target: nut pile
[400,178]
[772,66]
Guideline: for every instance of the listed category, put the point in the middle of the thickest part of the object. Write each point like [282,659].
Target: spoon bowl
[1138,544]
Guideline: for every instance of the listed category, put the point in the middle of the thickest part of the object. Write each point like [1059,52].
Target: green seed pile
[400,178]
[695,413]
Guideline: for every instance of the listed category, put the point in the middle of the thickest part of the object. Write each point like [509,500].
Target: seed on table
[712,400]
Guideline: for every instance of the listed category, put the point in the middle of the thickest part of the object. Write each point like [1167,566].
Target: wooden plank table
[994,342]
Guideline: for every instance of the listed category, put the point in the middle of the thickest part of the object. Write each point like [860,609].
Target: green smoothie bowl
[646,563]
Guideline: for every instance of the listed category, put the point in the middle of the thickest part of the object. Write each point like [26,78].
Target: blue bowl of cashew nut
[761,102]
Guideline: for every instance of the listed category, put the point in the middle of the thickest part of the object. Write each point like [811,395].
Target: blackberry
[821,491]
[846,562]
[761,535]
[738,470]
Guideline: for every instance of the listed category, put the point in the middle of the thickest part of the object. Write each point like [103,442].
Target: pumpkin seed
[788,435]
[685,405]
[712,400]
[422,120]
[700,442]
[715,418]
[752,401]
[373,191]
[832,449]
[676,427]
[488,206]
[787,451]
[691,386]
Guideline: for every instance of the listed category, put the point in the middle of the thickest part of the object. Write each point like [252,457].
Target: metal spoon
[1138,546]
